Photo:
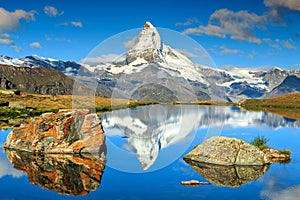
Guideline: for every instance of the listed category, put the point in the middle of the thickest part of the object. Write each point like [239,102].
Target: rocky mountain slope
[289,85]
[35,80]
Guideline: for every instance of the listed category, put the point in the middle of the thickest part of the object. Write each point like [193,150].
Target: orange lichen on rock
[68,131]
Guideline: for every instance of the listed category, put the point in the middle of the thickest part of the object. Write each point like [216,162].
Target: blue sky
[248,33]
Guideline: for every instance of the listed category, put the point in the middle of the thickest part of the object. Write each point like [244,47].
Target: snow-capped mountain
[154,71]
[69,68]
[150,49]
[289,85]
[150,62]
[242,83]
[151,68]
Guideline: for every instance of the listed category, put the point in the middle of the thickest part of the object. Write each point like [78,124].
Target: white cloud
[50,38]
[272,44]
[77,24]
[10,21]
[52,11]
[73,23]
[35,45]
[288,44]
[6,39]
[188,22]
[208,30]
[7,169]
[279,44]
[108,58]
[274,192]
[204,56]
[17,48]
[252,54]
[130,43]
[187,53]
[289,4]
[237,25]
[279,8]
[225,50]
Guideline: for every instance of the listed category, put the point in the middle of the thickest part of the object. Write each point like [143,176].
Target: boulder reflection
[61,173]
[229,176]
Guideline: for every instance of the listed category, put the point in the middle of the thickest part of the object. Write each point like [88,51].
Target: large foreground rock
[222,150]
[229,176]
[68,131]
[62,173]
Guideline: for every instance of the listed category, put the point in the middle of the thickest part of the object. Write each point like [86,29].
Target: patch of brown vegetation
[50,102]
[287,105]
[287,99]
[291,101]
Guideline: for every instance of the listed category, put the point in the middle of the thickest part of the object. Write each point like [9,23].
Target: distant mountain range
[153,71]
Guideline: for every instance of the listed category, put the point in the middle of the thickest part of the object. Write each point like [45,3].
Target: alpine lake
[145,149]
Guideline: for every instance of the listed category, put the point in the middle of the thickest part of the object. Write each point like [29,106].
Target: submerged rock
[229,176]
[68,131]
[222,150]
[61,173]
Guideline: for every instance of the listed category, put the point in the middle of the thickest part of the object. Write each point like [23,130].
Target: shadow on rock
[62,173]
[229,176]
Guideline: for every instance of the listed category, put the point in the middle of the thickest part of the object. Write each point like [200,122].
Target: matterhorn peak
[148,46]
[148,25]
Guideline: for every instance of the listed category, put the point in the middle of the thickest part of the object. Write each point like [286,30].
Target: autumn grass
[38,104]
[286,105]
[285,151]
[49,102]
[7,113]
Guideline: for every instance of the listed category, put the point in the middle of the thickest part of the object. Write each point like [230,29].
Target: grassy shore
[35,105]
[287,105]
[49,102]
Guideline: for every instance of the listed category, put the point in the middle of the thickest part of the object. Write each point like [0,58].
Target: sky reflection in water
[279,182]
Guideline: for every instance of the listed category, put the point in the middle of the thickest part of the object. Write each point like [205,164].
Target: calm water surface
[144,158]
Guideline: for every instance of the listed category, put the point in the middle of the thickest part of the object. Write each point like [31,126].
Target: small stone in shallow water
[193,183]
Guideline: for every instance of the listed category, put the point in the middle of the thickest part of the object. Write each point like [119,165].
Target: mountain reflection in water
[64,174]
[149,129]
